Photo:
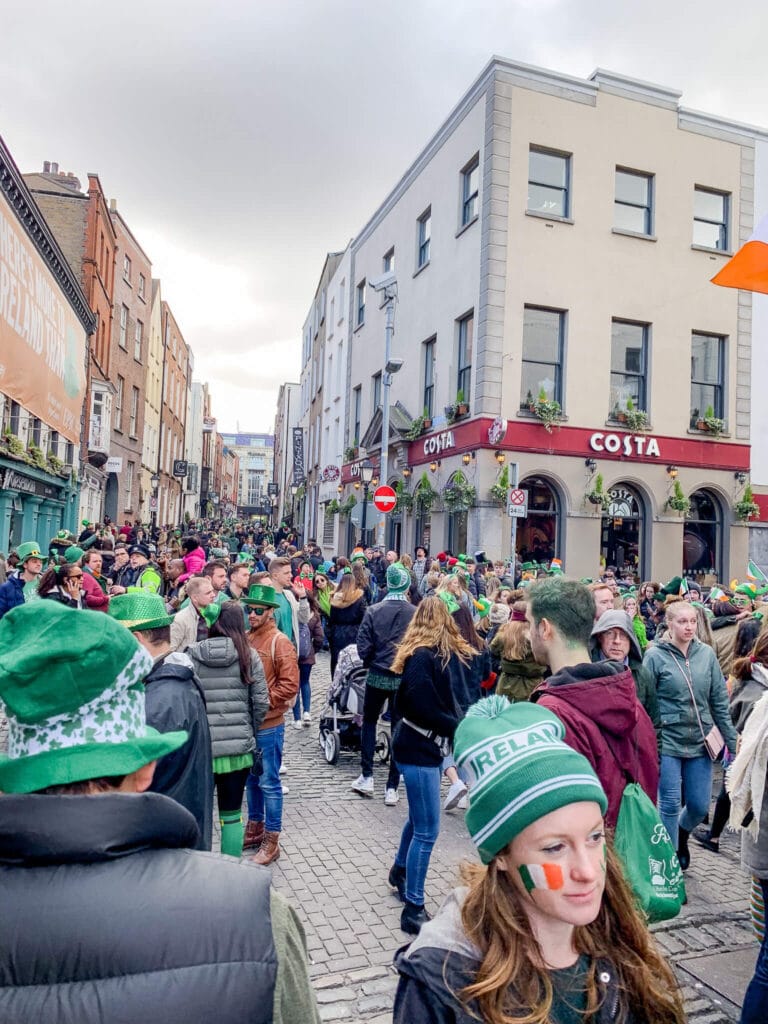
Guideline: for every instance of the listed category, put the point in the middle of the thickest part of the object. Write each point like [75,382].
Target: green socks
[232,833]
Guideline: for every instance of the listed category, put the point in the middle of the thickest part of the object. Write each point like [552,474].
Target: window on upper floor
[357,395]
[137,340]
[35,430]
[118,409]
[388,261]
[129,473]
[127,269]
[142,286]
[134,412]
[629,361]
[123,340]
[543,342]
[466,333]
[549,174]
[707,376]
[54,443]
[375,391]
[710,218]
[633,205]
[470,190]
[428,396]
[424,238]
[360,305]
[14,418]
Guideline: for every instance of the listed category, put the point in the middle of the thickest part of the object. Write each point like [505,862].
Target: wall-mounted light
[434,466]
[407,471]
[591,464]
[340,488]
[672,472]
[375,481]
[740,476]
[500,457]
[467,457]
[357,485]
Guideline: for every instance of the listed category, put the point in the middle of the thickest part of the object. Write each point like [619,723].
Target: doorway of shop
[621,532]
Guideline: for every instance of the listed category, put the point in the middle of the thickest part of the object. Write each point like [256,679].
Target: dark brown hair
[231,623]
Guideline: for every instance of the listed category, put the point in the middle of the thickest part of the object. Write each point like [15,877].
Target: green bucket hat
[140,609]
[519,769]
[71,685]
[29,549]
[261,595]
[73,554]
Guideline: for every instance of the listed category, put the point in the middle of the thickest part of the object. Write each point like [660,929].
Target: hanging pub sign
[298,456]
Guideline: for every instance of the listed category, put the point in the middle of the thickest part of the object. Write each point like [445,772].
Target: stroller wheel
[383,746]
[332,747]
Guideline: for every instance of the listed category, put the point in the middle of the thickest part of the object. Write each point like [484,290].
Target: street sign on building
[517,503]
[384,498]
[153,504]
[272,489]
[180,467]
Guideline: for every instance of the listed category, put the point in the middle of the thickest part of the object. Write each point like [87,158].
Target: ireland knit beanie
[518,769]
[398,578]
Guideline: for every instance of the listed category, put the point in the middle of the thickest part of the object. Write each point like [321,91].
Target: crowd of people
[158,667]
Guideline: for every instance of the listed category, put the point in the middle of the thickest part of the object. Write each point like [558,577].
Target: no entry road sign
[384,498]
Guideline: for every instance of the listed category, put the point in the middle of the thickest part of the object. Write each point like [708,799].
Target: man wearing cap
[12,592]
[143,573]
[381,630]
[174,701]
[139,925]
[597,703]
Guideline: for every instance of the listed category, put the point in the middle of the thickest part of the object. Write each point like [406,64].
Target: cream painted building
[555,239]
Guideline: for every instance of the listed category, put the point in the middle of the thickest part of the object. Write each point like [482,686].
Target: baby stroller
[342,719]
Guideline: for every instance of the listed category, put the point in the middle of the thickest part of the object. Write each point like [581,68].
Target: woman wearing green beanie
[546,930]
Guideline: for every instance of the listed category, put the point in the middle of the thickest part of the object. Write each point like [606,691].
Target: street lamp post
[294,491]
[154,481]
[366,472]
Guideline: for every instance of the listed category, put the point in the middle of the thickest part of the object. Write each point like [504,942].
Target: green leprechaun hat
[71,686]
[262,595]
[29,549]
[139,609]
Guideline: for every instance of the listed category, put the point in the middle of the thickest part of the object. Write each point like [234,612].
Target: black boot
[683,853]
[397,881]
[413,917]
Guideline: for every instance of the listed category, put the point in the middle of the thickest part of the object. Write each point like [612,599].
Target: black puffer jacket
[137,927]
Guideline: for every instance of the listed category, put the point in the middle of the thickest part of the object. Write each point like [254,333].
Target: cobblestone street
[337,850]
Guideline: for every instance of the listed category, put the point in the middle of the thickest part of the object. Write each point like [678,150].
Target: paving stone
[331,980]
[333,995]
[378,1002]
[337,1011]
[368,974]
[372,988]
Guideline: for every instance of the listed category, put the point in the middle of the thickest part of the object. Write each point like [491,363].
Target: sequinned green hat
[139,609]
[71,686]
[519,769]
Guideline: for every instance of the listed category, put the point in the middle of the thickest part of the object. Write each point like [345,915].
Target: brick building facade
[176,383]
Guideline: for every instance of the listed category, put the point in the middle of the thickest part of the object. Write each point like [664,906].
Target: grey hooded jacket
[235,711]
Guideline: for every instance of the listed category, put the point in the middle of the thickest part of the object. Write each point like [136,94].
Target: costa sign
[625,444]
[439,443]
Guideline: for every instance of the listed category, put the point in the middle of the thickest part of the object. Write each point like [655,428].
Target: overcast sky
[244,139]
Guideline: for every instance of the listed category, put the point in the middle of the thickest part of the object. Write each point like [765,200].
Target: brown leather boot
[254,835]
[270,849]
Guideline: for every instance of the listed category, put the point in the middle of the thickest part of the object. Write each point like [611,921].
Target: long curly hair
[432,626]
[512,985]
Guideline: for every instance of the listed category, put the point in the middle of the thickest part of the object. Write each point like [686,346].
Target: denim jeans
[696,774]
[756,998]
[265,793]
[422,786]
[375,699]
[304,696]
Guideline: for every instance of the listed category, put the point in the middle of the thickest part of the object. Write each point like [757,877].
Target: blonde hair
[515,637]
[432,626]
[492,587]
[512,984]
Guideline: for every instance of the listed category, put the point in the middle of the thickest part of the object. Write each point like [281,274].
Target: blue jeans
[696,774]
[265,793]
[756,996]
[422,786]
[304,696]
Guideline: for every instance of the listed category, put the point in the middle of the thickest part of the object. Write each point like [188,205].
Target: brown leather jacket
[281,667]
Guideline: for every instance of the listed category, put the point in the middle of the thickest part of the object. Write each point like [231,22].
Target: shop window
[538,535]
[703,536]
[622,530]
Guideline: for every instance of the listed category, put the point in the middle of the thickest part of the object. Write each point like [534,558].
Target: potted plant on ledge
[710,423]
[746,507]
[678,501]
[350,453]
[500,489]
[635,419]
[462,407]
[332,508]
[424,495]
[545,409]
[419,426]
[597,496]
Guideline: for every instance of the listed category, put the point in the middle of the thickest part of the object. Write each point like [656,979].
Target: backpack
[305,641]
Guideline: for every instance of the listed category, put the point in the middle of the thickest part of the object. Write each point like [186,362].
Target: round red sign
[384,498]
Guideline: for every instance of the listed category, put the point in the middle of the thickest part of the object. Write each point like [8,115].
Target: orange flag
[748,269]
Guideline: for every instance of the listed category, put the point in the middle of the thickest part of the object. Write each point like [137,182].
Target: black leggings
[230,787]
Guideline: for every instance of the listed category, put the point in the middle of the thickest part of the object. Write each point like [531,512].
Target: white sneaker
[455,793]
[363,786]
[307,719]
[462,804]
[297,723]
[285,789]
[283,770]
[391,797]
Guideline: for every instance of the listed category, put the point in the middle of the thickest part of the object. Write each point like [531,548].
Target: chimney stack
[46,166]
[113,205]
[54,168]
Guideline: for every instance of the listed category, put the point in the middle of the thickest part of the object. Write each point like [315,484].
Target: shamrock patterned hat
[71,685]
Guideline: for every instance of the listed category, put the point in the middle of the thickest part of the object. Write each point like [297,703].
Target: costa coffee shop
[605,495]
[44,323]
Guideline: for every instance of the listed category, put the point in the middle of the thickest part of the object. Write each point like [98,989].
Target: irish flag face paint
[541,876]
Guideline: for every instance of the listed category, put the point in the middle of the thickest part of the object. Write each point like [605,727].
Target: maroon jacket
[604,721]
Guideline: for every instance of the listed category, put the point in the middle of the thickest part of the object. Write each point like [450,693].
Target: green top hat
[85,522]
[71,683]
[29,549]
[140,609]
[262,595]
